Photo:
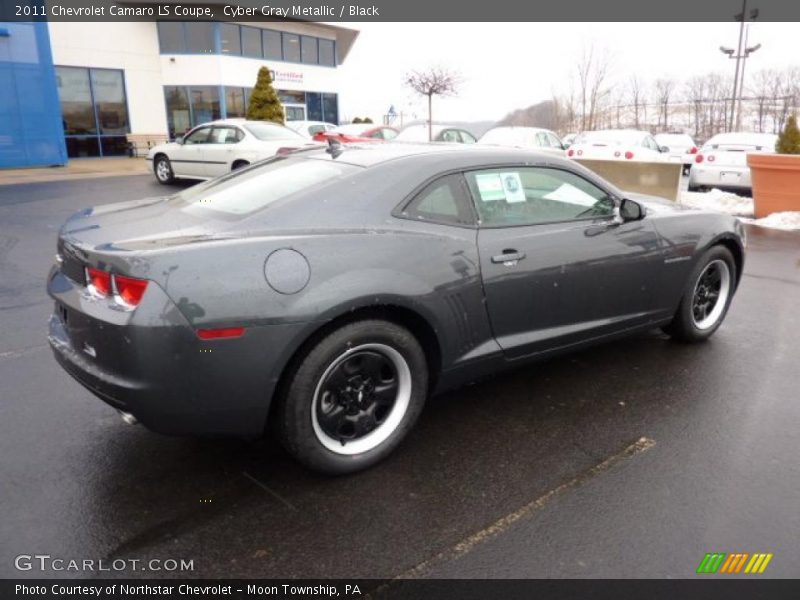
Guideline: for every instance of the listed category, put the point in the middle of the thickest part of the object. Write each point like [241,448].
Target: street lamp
[740,55]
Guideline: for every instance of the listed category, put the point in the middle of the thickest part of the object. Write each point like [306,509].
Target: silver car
[530,138]
[722,161]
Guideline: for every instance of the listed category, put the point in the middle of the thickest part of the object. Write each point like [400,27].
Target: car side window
[225,135]
[513,196]
[467,137]
[315,129]
[554,141]
[542,140]
[198,136]
[442,201]
[450,135]
[389,134]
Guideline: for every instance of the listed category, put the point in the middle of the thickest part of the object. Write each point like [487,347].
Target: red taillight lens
[570,152]
[130,290]
[693,150]
[698,159]
[216,334]
[629,155]
[711,158]
[99,281]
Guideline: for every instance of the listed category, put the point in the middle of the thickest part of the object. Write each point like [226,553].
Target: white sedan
[680,148]
[216,148]
[722,161]
[616,144]
[533,138]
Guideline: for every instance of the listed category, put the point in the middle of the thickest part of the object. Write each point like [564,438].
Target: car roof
[459,155]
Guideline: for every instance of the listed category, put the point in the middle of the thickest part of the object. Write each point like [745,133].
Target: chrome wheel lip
[162,169]
[390,423]
[713,317]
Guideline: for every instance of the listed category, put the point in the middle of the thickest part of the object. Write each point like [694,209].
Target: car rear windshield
[609,137]
[269,131]
[254,188]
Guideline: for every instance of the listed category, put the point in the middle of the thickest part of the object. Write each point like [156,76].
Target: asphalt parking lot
[535,473]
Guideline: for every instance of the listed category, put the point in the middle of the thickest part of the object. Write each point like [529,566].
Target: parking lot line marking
[504,523]
[270,492]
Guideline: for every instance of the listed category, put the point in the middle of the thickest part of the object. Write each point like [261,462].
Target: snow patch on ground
[739,206]
[719,201]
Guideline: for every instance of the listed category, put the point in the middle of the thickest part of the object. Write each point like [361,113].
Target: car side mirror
[630,210]
[663,149]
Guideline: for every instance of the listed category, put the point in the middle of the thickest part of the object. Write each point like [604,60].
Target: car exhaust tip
[128,418]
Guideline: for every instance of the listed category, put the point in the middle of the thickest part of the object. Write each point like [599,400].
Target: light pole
[748,50]
[742,18]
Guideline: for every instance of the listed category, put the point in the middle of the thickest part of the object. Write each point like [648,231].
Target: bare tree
[636,93]
[663,92]
[436,81]
[695,95]
[593,69]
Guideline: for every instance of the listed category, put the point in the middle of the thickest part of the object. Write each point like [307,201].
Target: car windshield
[609,137]
[254,188]
[522,136]
[270,131]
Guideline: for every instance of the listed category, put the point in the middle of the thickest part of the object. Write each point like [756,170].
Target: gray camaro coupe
[330,291]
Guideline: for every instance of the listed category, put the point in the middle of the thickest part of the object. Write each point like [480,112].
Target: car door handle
[508,256]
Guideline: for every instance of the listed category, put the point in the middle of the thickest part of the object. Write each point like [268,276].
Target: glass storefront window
[170,37]
[251,42]
[230,39]
[327,57]
[179,117]
[291,47]
[94,111]
[272,44]
[234,102]
[76,100]
[205,104]
[330,108]
[109,101]
[314,106]
[309,49]
[200,38]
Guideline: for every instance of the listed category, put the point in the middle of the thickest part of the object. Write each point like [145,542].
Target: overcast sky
[512,65]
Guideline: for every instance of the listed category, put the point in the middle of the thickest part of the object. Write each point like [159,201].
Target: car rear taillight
[580,152]
[129,289]
[217,334]
[617,154]
[698,159]
[98,281]
[570,152]
[711,158]
[693,150]
[629,155]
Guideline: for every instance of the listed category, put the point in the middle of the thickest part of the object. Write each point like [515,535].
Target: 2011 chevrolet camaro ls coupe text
[330,291]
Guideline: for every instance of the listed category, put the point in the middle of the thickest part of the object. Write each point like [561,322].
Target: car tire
[353,397]
[162,168]
[706,297]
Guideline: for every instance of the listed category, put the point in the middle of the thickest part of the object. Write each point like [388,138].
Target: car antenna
[335,147]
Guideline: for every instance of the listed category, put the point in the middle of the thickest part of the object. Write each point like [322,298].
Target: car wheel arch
[406,317]
[736,250]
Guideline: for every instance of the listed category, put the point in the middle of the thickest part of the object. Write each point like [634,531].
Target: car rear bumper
[151,364]
[721,177]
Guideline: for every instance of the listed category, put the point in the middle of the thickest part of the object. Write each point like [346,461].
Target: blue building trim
[31,128]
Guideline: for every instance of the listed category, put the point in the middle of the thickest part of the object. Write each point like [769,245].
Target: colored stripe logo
[736,562]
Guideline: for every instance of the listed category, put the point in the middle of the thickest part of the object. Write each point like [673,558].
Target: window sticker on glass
[490,187]
[512,185]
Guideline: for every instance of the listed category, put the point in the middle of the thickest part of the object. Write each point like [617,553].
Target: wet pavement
[523,475]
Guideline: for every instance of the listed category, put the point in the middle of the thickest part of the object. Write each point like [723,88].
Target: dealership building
[76,89]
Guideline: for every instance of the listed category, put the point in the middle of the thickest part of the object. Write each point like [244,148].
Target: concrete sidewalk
[77,168]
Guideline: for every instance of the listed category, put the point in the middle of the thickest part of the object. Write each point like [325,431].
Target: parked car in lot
[722,161]
[358,132]
[310,128]
[568,139]
[616,144]
[680,148]
[219,147]
[530,138]
[441,133]
[333,291]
